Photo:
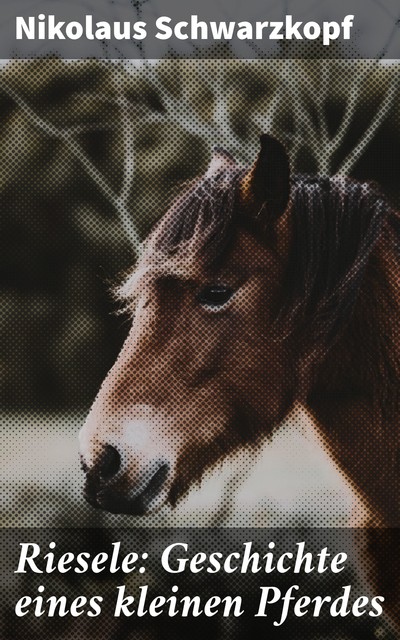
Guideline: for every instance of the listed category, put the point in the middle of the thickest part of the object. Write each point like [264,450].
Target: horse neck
[355,395]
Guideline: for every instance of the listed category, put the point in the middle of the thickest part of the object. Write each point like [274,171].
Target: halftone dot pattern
[238,315]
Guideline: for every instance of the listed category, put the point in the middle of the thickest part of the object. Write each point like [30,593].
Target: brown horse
[254,292]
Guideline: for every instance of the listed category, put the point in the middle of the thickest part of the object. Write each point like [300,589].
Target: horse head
[205,367]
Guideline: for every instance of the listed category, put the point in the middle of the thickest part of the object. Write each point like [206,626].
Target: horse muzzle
[128,467]
[113,487]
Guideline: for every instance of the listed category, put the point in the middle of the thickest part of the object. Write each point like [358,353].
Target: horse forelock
[195,231]
[200,222]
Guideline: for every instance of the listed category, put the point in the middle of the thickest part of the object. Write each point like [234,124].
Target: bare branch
[128,133]
[387,104]
[352,102]
[75,148]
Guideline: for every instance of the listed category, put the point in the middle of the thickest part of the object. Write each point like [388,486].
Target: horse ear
[266,186]
[220,160]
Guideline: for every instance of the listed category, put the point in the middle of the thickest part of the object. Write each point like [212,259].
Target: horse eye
[215,295]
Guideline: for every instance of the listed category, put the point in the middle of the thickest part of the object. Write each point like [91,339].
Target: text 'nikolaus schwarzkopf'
[48,27]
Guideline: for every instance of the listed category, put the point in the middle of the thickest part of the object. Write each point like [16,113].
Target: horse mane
[336,223]
[337,288]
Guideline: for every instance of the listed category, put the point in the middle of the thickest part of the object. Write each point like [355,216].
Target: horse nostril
[109,463]
[157,480]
